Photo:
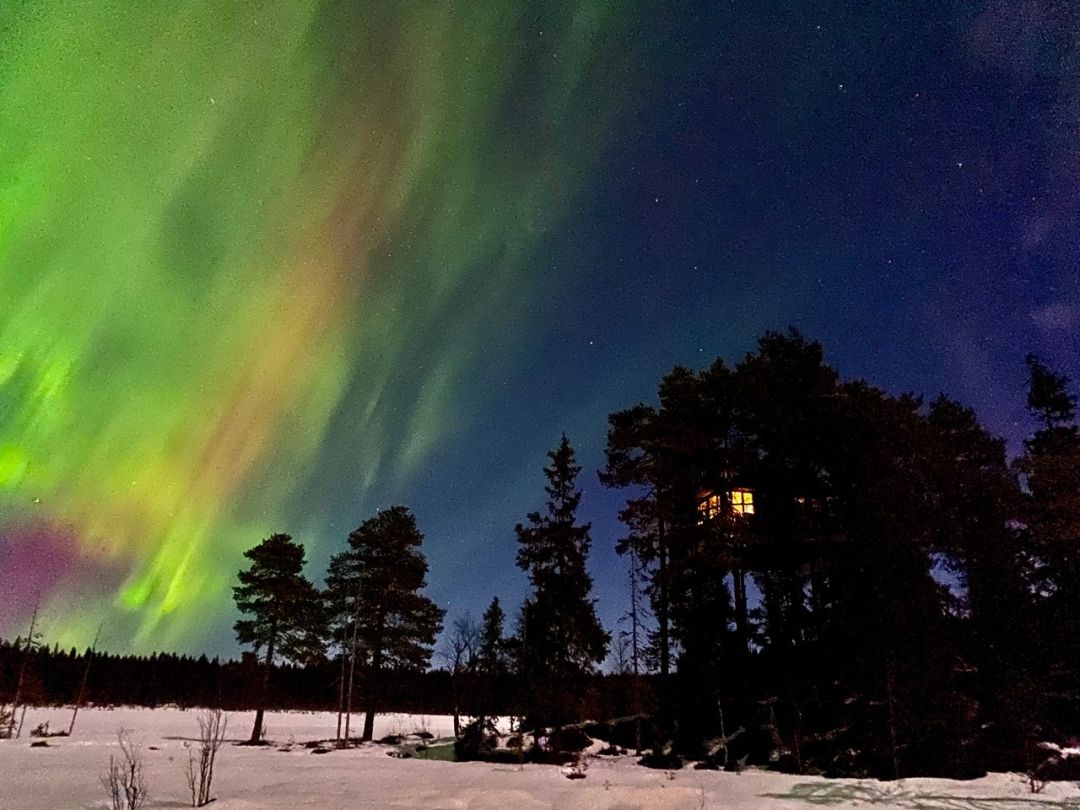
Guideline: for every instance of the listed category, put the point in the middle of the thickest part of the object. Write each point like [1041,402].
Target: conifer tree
[285,612]
[562,638]
[978,500]
[1051,469]
[636,459]
[492,661]
[491,656]
[377,582]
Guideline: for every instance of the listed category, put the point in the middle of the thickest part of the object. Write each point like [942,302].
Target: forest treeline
[821,577]
[53,678]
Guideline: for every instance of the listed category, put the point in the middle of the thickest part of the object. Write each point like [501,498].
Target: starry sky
[273,266]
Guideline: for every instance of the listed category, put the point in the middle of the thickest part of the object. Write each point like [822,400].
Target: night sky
[275,268]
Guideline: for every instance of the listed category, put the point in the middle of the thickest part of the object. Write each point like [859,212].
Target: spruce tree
[1051,470]
[491,657]
[978,540]
[561,637]
[375,586]
[286,617]
[492,660]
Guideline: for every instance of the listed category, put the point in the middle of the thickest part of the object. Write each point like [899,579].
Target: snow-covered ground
[67,774]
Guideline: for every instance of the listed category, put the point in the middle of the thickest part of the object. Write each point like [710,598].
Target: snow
[1064,753]
[67,774]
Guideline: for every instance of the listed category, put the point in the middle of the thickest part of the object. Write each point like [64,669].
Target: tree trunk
[371,684]
[455,699]
[349,692]
[341,685]
[352,666]
[635,651]
[891,702]
[741,622]
[264,690]
[665,698]
[85,678]
[28,647]
[369,724]
[662,608]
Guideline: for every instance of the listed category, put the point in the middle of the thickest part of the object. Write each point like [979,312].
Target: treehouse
[737,502]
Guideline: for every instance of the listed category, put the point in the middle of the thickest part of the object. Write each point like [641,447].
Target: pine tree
[374,586]
[1049,397]
[1051,470]
[562,638]
[285,610]
[491,657]
[635,459]
[978,540]
[492,661]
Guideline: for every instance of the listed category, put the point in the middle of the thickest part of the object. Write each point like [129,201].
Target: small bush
[201,758]
[477,741]
[570,738]
[42,730]
[661,760]
[125,779]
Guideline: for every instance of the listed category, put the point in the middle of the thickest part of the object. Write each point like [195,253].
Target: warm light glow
[742,502]
[738,502]
[711,508]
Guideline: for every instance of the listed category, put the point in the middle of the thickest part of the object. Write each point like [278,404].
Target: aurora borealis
[270,266]
[217,229]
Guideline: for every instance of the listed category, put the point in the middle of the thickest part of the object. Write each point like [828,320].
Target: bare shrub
[578,766]
[201,756]
[1035,783]
[125,780]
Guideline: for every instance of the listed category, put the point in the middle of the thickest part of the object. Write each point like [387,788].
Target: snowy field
[67,774]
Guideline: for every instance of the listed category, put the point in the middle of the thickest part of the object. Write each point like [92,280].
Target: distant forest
[822,577]
[54,677]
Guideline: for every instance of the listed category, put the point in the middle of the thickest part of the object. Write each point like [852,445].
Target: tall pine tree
[561,637]
[1051,470]
[286,617]
[376,583]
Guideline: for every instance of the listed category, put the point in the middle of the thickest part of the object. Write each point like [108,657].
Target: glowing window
[711,508]
[742,502]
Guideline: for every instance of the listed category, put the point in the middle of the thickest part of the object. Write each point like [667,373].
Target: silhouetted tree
[882,543]
[377,580]
[492,663]
[285,610]
[460,649]
[561,637]
[491,652]
[635,460]
[1050,467]
[978,541]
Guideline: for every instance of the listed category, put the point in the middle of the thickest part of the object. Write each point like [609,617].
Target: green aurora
[226,228]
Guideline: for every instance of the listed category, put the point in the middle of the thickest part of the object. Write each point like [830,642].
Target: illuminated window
[742,502]
[738,502]
[711,507]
